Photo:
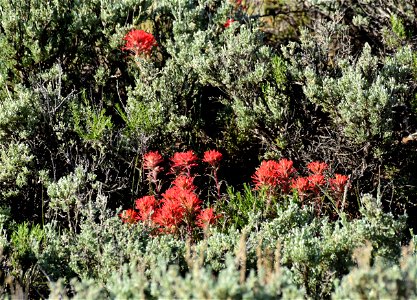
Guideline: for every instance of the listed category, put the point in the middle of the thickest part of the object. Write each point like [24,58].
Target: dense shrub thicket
[310,105]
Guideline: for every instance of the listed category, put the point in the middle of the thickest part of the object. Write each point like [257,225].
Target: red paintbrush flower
[171,193]
[186,199]
[212,157]
[206,217]
[146,206]
[239,3]
[170,215]
[301,184]
[151,160]
[139,42]
[190,202]
[285,169]
[129,216]
[338,183]
[267,174]
[184,160]
[316,181]
[271,174]
[317,167]
[184,183]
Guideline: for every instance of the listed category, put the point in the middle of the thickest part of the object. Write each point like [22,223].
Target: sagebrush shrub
[311,103]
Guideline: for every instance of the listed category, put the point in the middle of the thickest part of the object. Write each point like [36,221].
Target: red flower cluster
[151,163]
[237,3]
[316,182]
[301,184]
[271,174]
[139,42]
[206,217]
[184,183]
[179,207]
[312,183]
[266,174]
[170,214]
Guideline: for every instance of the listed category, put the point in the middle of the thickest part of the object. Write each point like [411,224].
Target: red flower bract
[139,42]
[183,160]
[151,160]
[170,215]
[339,182]
[187,199]
[146,206]
[236,2]
[316,180]
[129,216]
[271,173]
[228,23]
[184,183]
[266,174]
[212,157]
[206,218]
[285,168]
[301,184]
[317,167]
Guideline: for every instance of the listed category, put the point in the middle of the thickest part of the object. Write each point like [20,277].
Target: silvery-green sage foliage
[333,81]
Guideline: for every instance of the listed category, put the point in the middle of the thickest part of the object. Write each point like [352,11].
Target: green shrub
[78,109]
[15,160]
[370,91]
[379,280]
[318,251]
[294,253]
[25,242]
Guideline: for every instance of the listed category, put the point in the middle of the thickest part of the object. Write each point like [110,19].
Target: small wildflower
[146,206]
[188,200]
[285,171]
[139,42]
[151,160]
[285,168]
[338,183]
[266,175]
[316,181]
[301,184]
[206,217]
[184,160]
[169,216]
[271,174]
[212,157]
[184,183]
[129,216]
[237,3]
[317,167]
